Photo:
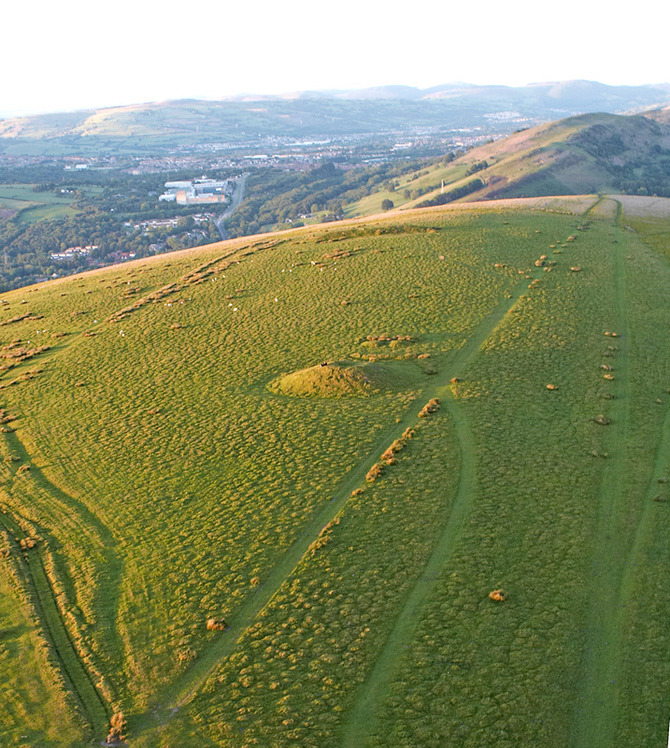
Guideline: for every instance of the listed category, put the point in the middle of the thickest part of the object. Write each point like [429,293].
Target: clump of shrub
[117,729]
[216,624]
[397,446]
[376,471]
[22,318]
[324,536]
[430,407]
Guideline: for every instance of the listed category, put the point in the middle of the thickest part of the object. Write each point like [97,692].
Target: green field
[35,206]
[239,434]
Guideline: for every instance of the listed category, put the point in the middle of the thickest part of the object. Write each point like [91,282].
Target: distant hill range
[386,109]
[558,96]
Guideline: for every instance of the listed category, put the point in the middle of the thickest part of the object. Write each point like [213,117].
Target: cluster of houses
[73,253]
[168,223]
[121,256]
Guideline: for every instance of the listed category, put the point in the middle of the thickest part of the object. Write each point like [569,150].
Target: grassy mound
[327,380]
[342,378]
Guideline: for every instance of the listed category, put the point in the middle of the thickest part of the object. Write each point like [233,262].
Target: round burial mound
[325,380]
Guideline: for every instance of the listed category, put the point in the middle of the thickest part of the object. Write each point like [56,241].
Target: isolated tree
[387,204]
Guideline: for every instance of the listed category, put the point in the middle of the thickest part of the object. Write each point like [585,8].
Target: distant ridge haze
[652,93]
[405,111]
[567,92]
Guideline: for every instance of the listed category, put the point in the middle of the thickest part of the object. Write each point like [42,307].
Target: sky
[78,54]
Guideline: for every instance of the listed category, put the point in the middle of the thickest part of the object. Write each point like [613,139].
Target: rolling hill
[400,481]
[590,153]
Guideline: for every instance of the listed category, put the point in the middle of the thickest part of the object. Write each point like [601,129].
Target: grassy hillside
[259,493]
[586,154]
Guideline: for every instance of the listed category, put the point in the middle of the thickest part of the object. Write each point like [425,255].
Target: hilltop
[391,481]
[589,153]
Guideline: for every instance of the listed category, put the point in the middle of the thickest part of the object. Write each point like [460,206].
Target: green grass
[14,204]
[34,711]
[435,174]
[26,193]
[174,483]
[46,213]
[34,206]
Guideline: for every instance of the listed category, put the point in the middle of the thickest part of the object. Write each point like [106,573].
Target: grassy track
[63,510]
[75,674]
[596,710]
[361,720]
[618,549]
[598,695]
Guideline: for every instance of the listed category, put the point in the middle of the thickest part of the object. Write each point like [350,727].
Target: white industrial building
[201,190]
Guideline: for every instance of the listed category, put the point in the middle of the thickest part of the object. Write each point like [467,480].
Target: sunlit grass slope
[332,445]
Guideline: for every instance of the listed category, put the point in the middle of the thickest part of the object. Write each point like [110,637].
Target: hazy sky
[74,54]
